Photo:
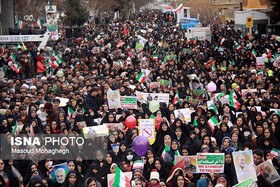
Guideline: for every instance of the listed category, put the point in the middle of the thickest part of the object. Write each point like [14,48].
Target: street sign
[249,22]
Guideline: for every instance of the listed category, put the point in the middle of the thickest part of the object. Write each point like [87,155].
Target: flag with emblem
[3,48]
[16,130]
[39,23]
[176,98]
[16,67]
[179,7]
[254,53]
[166,149]
[212,122]
[232,100]
[70,112]
[138,164]
[274,153]
[141,77]
[20,24]
[155,57]
[213,68]
[18,46]
[121,180]
[12,58]
[121,64]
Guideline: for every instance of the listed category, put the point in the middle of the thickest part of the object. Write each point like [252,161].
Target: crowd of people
[30,98]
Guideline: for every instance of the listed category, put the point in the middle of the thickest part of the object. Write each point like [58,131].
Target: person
[60,175]
[244,168]
[189,167]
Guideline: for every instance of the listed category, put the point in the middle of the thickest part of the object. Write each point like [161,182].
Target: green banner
[246,183]
[128,102]
[210,162]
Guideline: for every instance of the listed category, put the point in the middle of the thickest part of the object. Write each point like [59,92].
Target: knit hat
[154,175]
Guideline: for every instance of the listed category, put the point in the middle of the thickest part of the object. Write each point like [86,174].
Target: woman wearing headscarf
[227,145]
[73,180]
[180,136]
[181,124]
[110,158]
[174,150]
[93,171]
[202,123]
[206,140]
[193,142]
[221,179]
[122,149]
[163,130]
[7,174]
[221,133]
[229,170]
[159,165]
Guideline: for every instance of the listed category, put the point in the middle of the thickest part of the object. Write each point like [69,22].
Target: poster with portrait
[59,172]
[154,85]
[95,131]
[187,163]
[148,97]
[243,164]
[114,99]
[210,162]
[245,91]
[268,171]
[51,17]
[200,94]
[114,126]
[183,114]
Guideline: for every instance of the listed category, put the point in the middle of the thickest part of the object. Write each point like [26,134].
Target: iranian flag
[16,174]
[16,130]
[212,122]
[194,122]
[237,46]
[254,53]
[54,57]
[18,47]
[218,96]
[39,23]
[249,36]
[4,70]
[128,47]
[232,99]
[155,57]
[222,41]
[121,64]
[55,64]
[72,66]
[176,154]
[141,77]
[3,48]
[86,40]
[213,68]
[166,149]
[70,112]
[216,47]
[138,164]
[179,7]
[176,98]
[16,67]
[28,55]
[267,50]
[120,179]
[12,58]
[32,131]
[78,64]
[49,63]
[20,24]
[215,108]
[274,153]
[59,59]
